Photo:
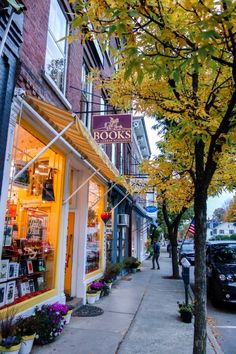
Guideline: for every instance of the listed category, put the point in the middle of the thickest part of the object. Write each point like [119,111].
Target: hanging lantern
[105,216]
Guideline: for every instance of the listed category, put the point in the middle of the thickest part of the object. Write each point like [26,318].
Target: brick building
[56,182]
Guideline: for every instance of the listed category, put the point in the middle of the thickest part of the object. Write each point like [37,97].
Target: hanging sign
[112,128]
[151,209]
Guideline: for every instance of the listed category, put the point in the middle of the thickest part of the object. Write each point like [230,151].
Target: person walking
[156,254]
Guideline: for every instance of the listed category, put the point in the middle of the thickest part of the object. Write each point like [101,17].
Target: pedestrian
[169,249]
[156,254]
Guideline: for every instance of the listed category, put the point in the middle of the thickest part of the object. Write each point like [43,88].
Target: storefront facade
[53,240]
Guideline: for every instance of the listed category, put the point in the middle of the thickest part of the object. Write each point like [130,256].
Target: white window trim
[60,93]
[57,91]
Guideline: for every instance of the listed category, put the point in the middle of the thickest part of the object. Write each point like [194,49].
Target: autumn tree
[169,175]
[218,214]
[178,61]
[230,212]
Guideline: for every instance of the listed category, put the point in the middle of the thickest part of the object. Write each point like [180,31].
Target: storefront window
[94,229]
[27,266]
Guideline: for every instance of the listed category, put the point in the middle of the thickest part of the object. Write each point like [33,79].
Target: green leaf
[112,29]
[16,6]
[209,34]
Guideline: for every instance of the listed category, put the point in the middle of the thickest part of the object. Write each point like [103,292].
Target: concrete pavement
[140,317]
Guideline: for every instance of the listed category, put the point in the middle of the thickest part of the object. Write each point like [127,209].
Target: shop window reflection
[31,224]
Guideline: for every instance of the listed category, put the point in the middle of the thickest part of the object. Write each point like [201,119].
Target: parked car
[221,271]
[187,250]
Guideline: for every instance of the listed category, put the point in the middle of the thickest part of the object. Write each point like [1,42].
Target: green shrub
[112,270]
[131,262]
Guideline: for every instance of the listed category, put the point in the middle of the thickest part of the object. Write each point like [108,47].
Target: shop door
[69,253]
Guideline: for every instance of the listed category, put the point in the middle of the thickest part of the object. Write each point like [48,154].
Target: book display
[27,264]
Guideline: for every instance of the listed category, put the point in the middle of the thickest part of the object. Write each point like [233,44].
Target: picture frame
[31,286]
[22,288]
[10,292]
[8,230]
[2,294]
[40,283]
[30,268]
[13,270]
[4,270]
[27,287]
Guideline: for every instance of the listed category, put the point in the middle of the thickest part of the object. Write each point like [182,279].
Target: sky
[213,202]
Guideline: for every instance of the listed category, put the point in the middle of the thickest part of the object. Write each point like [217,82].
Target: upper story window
[103,111]
[55,62]
[86,96]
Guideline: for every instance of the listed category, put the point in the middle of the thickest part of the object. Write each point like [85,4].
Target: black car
[187,250]
[221,271]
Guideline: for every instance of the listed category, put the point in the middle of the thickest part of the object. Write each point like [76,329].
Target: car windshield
[188,247]
[224,253]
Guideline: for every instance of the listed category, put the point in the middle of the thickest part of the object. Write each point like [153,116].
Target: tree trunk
[200,209]
[174,253]
[175,263]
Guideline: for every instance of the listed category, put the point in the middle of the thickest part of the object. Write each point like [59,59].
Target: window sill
[59,94]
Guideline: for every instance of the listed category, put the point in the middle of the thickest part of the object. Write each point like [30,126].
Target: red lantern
[105,216]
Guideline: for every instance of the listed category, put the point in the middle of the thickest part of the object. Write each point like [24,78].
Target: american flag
[191,228]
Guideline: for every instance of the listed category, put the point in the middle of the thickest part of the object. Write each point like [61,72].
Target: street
[222,322]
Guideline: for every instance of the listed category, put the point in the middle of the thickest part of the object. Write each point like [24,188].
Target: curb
[215,345]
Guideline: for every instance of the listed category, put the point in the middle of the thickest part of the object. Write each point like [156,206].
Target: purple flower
[97,285]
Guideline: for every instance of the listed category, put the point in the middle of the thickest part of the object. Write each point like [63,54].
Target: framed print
[2,294]
[22,288]
[31,286]
[8,229]
[23,268]
[13,270]
[10,292]
[27,287]
[30,267]
[40,283]
[4,270]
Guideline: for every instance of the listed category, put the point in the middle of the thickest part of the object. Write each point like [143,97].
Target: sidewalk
[140,317]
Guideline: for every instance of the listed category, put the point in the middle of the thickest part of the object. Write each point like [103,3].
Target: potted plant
[131,263]
[48,323]
[112,270]
[108,282]
[186,312]
[9,342]
[25,328]
[91,296]
[65,311]
[97,285]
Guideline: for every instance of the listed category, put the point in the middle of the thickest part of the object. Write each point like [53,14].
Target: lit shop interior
[32,220]
[95,227]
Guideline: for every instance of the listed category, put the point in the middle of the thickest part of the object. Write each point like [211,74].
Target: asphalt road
[222,321]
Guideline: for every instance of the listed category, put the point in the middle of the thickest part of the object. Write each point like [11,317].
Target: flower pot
[67,317]
[98,295]
[27,344]
[186,317]
[133,270]
[91,298]
[13,350]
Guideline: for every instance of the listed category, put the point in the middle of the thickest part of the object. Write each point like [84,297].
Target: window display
[27,266]
[94,229]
